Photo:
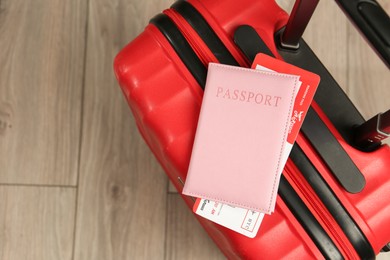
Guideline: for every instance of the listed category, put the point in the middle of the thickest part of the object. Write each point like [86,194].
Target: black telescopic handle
[373,22]
[367,15]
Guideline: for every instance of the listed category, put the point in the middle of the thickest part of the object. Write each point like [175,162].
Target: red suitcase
[333,197]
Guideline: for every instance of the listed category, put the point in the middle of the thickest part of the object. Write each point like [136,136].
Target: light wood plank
[122,192]
[41,71]
[385,5]
[186,238]
[383,256]
[368,76]
[171,188]
[287,5]
[36,223]
[326,34]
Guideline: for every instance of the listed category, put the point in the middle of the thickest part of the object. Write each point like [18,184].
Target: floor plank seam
[348,39]
[27,185]
[166,224]
[169,191]
[81,128]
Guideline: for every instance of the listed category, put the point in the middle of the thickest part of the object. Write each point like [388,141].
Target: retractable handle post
[296,25]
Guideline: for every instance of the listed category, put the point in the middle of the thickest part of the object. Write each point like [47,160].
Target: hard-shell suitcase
[333,197]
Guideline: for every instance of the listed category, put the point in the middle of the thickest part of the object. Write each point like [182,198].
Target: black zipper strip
[181,46]
[313,228]
[205,32]
[340,214]
[249,42]
[332,153]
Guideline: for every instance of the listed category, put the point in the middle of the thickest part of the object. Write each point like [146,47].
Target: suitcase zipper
[317,207]
[309,222]
[208,34]
[347,226]
[182,48]
[197,44]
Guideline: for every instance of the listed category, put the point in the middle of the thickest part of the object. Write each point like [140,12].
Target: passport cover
[241,133]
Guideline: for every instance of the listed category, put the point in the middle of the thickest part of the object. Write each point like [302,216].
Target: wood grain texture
[287,5]
[186,238]
[368,77]
[122,190]
[41,71]
[326,34]
[36,223]
[383,256]
[171,188]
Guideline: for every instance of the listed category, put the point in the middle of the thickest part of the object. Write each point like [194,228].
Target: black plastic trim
[205,32]
[386,248]
[249,42]
[331,98]
[182,47]
[340,214]
[308,221]
[333,154]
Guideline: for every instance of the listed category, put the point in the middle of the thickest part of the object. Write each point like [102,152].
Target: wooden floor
[76,180]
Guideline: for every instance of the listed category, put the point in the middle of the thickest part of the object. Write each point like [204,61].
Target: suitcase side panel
[166,107]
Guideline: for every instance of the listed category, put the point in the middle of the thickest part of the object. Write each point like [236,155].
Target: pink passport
[241,133]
